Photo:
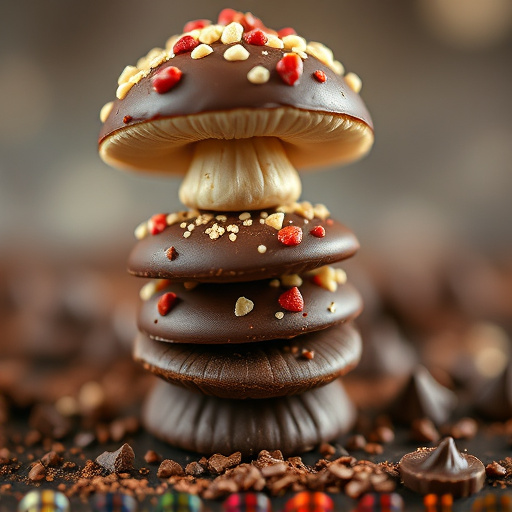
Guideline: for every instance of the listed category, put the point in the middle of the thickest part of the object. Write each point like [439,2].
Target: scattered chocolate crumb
[46,419]
[84,439]
[465,428]
[38,472]
[327,450]
[356,442]
[218,463]
[423,430]
[277,469]
[495,470]
[194,469]
[32,438]
[120,461]
[373,448]
[382,434]
[5,456]
[51,459]
[169,468]
[151,457]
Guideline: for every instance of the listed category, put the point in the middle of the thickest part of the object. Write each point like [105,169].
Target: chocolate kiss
[445,458]
[495,398]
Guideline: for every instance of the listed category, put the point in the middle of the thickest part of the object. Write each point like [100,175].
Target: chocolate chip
[120,461]
[194,469]
[169,468]
[38,472]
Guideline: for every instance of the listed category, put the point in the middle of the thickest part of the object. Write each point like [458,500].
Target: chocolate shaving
[120,461]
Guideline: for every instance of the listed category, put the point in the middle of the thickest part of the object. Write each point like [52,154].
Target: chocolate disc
[206,313]
[207,425]
[442,470]
[255,370]
[252,252]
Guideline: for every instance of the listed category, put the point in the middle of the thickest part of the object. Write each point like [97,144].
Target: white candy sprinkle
[191,227]
[243,306]
[232,33]
[232,237]
[237,52]
[186,234]
[275,220]
[201,51]
[183,225]
[262,249]
[279,315]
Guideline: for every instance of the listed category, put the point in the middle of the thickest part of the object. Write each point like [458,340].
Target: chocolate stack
[243,319]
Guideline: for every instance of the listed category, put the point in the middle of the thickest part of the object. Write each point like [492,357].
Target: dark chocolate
[423,397]
[199,258]
[494,398]
[206,314]
[213,84]
[442,470]
[206,424]
[255,370]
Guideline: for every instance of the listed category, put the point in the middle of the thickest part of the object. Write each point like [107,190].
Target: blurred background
[436,78]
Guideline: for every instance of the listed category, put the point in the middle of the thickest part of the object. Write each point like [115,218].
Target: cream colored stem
[240,174]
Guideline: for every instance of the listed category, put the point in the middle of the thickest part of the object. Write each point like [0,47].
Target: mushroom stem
[240,174]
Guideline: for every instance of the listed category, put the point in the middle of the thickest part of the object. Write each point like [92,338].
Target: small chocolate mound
[494,400]
[423,397]
[442,470]
[120,461]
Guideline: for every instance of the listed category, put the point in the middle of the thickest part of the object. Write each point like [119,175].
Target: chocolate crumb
[327,450]
[423,430]
[51,459]
[218,463]
[38,472]
[194,469]
[356,442]
[465,428]
[120,461]
[495,470]
[151,457]
[84,439]
[169,468]
[382,434]
[373,448]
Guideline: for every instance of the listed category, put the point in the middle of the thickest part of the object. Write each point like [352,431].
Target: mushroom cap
[319,123]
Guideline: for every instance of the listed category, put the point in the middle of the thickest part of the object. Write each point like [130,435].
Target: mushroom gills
[240,174]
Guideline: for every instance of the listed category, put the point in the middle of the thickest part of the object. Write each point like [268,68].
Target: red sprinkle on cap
[157,223]
[256,37]
[320,76]
[290,68]
[166,79]
[196,24]
[184,44]
[292,300]
[318,231]
[166,303]
[290,235]
[287,31]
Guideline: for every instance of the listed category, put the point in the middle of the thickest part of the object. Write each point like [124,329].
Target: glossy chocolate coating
[254,370]
[442,470]
[200,258]
[213,84]
[207,425]
[206,314]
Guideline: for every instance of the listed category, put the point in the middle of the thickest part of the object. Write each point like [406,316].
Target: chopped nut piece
[321,211]
[186,234]
[232,237]
[294,41]
[326,278]
[291,280]
[353,81]
[275,220]
[258,75]
[221,218]
[123,89]
[338,67]
[275,283]
[210,34]
[201,51]
[232,33]
[321,52]
[141,231]
[274,42]
[279,315]
[105,111]
[332,307]
[247,222]
[262,249]
[244,216]
[147,291]
[169,468]
[126,74]
[243,306]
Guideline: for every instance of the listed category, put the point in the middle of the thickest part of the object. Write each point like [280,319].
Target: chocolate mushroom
[237,108]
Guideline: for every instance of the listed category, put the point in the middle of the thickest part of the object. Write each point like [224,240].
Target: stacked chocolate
[244,318]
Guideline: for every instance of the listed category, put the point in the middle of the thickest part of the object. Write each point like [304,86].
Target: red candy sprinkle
[157,223]
[166,303]
[166,79]
[226,16]
[290,68]
[196,24]
[287,31]
[256,37]
[320,76]
[290,235]
[292,300]
[318,231]
[184,44]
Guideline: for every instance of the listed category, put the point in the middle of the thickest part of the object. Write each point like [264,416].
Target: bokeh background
[437,78]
